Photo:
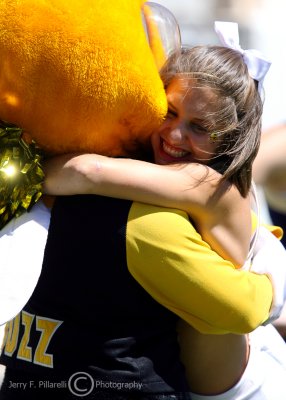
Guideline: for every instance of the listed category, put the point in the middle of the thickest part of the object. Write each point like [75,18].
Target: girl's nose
[177,134]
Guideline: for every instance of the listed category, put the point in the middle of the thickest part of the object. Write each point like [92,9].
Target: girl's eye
[198,128]
[171,113]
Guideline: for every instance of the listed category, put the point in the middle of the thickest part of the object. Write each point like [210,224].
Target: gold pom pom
[21,174]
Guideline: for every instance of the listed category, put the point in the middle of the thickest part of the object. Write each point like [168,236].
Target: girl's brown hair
[237,126]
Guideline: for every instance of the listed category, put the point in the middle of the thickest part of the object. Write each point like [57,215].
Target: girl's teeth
[171,151]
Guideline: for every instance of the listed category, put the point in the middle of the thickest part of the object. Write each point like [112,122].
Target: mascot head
[77,76]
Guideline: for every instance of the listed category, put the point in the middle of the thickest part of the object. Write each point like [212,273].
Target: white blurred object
[264,211]
[269,257]
[22,245]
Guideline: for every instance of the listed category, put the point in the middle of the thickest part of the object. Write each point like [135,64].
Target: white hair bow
[257,64]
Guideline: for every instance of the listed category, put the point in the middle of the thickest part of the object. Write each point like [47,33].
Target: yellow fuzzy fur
[78,75]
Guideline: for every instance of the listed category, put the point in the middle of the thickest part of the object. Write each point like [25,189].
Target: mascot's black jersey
[88,313]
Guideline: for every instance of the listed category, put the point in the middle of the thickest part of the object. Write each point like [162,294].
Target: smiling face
[185,134]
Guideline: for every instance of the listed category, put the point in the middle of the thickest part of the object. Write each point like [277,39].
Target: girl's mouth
[173,151]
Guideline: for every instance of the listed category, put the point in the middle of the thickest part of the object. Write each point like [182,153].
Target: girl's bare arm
[221,215]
